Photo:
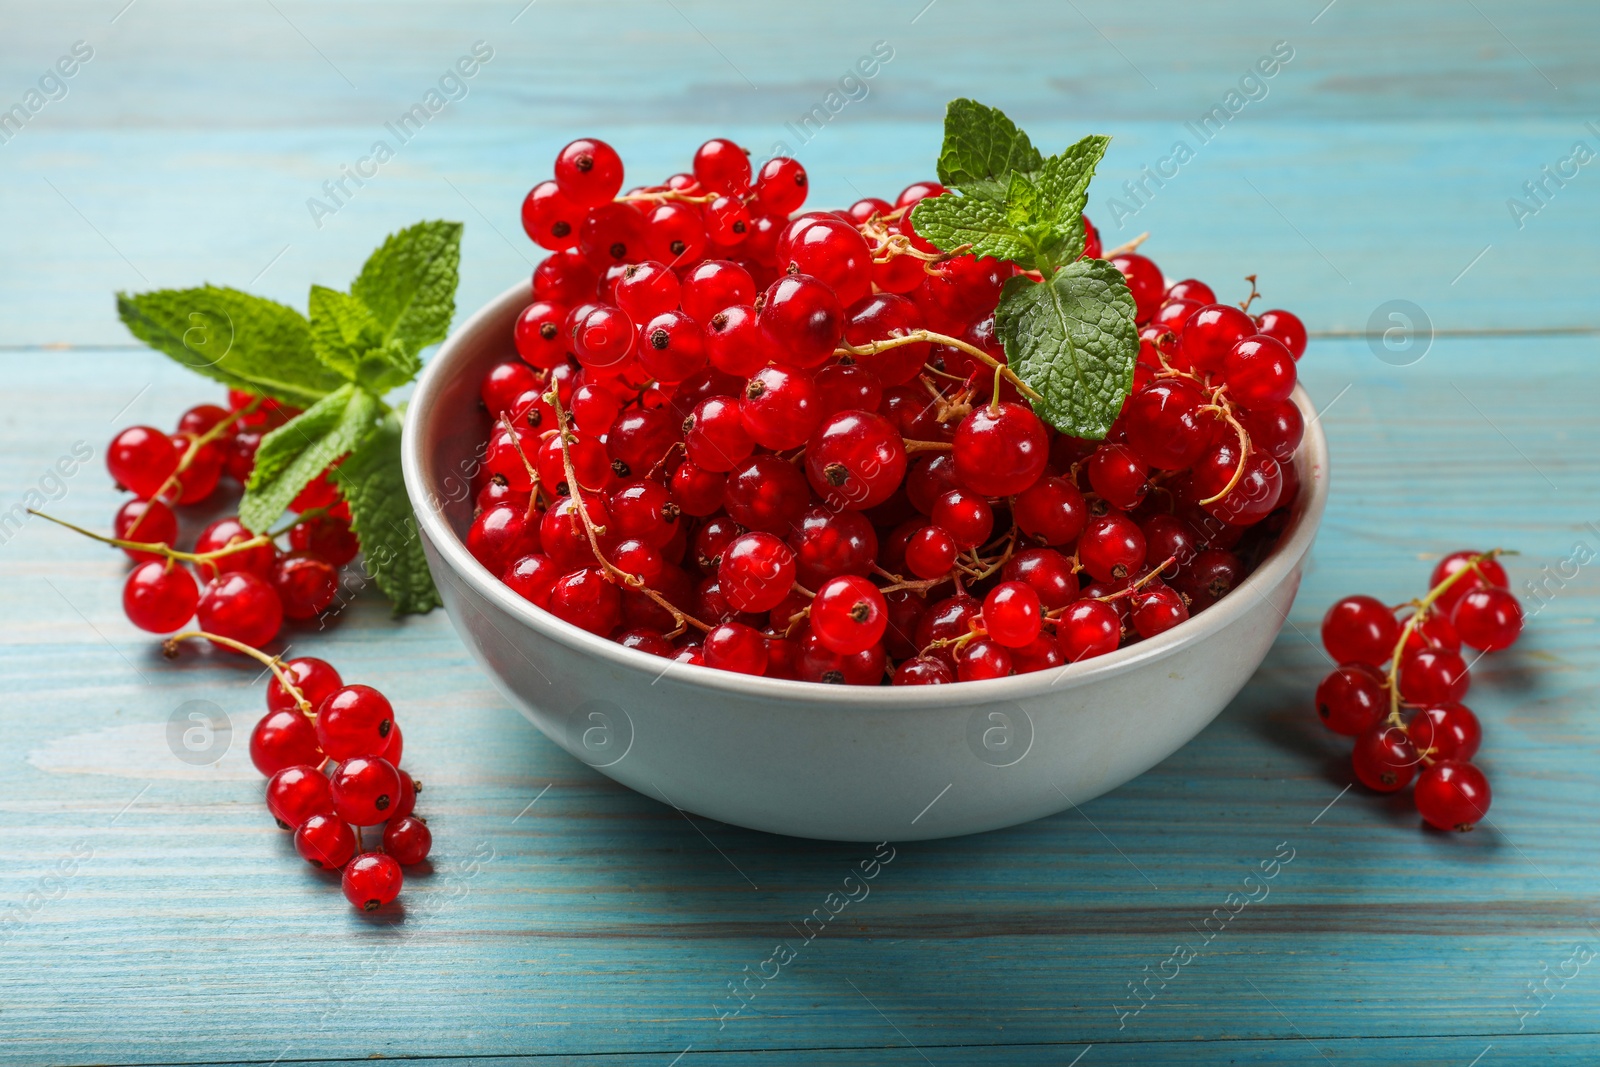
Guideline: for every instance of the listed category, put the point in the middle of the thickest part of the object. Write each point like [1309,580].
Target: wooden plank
[598,921]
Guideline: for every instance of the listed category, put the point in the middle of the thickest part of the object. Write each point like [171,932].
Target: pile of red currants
[790,445]
[1400,682]
[242,585]
[331,753]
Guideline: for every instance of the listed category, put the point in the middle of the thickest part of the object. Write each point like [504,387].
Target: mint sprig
[338,365]
[1069,335]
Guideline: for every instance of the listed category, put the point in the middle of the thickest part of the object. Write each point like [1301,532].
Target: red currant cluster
[792,447]
[331,753]
[1400,683]
[250,586]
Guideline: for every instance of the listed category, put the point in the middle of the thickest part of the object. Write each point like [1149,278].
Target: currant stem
[161,548]
[1244,305]
[1420,611]
[913,447]
[204,439]
[169,648]
[665,195]
[612,571]
[1126,247]
[919,336]
[1219,404]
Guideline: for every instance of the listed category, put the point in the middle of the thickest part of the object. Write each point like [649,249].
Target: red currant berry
[1144,282]
[982,659]
[1277,429]
[697,491]
[1488,619]
[538,336]
[855,460]
[802,318]
[611,235]
[733,646]
[227,532]
[1211,331]
[1012,614]
[673,347]
[1117,474]
[564,278]
[1112,547]
[586,599]
[325,841]
[721,166]
[1000,451]
[589,172]
[306,584]
[734,341]
[765,493]
[364,789]
[924,670]
[1489,574]
[1212,575]
[1051,511]
[141,459]
[1048,572]
[240,606]
[503,384]
[550,218]
[502,534]
[930,553]
[834,252]
[284,738]
[1452,795]
[328,536]
[1352,699]
[532,578]
[1256,489]
[1384,759]
[1432,631]
[1157,608]
[1360,629]
[713,285]
[1433,676]
[149,521]
[242,455]
[1088,628]
[849,615]
[828,543]
[756,572]
[1284,327]
[943,622]
[354,720]
[883,317]
[604,338]
[965,516]
[315,679]
[159,597]
[1191,289]
[780,408]
[408,840]
[647,289]
[1446,731]
[675,234]
[1259,372]
[371,880]
[781,185]
[294,794]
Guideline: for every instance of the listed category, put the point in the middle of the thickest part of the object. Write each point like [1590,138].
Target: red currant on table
[294,794]
[354,721]
[242,607]
[1352,699]
[1488,619]
[408,840]
[372,880]
[364,789]
[1360,629]
[284,738]
[325,841]
[1385,759]
[1446,731]
[150,521]
[141,459]
[1452,795]
[159,597]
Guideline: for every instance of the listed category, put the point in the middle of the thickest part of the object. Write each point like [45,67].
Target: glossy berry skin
[503,383]
[240,606]
[647,289]
[1384,759]
[855,460]
[1446,731]
[328,536]
[1112,547]
[1488,619]
[550,218]
[354,721]
[1352,699]
[827,543]
[1157,608]
[1117,474]
[306,584]
[1088,628]
[930,553]
[1002,451]
[965,516]
[1259,372]
[765,493]
[1254,494]
[230,531]
[502,534]
[1360,629]
[781,185]
[1051,511]
[834,252]
[1452,795]
[612,235]
[1433,676]
[982,659]
[924,670]
[713,285]
[532,577]
[1211,332]
[721,166]
[408,840]
[325,841]
[1012,614]
[538,336]
[284,739]
[756,571]
[159,597]
[672,347]
[1191,289]
[589,172]
[1144,282]
[882,317]
[604,338]
[779,407]
[1277,429]
[1284,327]
[150,521]
[314,678]
[733,646]
[588,600]
[802,318]
[294,794]
[141,459]
[1048,572]
[849,614]
[364,789]
[371,880]
[734,341]
[1490,573]
[675,234]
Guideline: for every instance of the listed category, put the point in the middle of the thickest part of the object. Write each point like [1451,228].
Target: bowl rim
[461,345]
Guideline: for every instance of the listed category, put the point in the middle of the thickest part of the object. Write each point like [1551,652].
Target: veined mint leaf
[245,342]
[409,284]
[950,221]
[1063,190]
[1072,338]
[1022,200]
[299,450]
[348,339]
[381,516]
[981,146]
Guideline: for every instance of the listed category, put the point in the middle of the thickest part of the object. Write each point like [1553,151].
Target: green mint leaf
[245,342]
[348,339]
[950,221]
[981,146]
[1021,200]
[1063,191]
[381,515]
[1073,340]
[299,450]
[409,284]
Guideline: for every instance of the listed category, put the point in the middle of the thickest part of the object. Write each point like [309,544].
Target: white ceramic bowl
[851,763]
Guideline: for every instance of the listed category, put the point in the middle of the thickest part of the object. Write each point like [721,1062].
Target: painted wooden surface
[569,921]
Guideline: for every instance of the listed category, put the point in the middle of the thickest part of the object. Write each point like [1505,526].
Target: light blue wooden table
[569,921]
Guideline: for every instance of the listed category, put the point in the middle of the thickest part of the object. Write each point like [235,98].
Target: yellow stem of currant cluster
[273,663]
[592,531]
[930,337]
[161,548]
[1420,611]
[205,439]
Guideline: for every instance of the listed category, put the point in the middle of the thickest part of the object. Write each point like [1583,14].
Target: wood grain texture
[598,926]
